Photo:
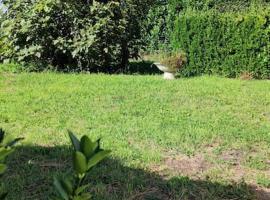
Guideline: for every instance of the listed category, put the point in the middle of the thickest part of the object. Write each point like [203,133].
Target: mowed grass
[196,138]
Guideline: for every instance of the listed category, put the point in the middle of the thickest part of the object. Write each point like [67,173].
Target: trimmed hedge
[224,43]
[220,5]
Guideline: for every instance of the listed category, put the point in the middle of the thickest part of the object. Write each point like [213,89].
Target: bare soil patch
[261,193]
[197,167]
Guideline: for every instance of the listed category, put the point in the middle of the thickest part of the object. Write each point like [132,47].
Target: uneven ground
[196,138]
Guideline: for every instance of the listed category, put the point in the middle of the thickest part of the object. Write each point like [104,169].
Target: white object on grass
[169,73]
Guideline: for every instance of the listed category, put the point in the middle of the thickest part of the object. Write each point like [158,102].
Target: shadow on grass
[31,170]
[133,68]
[139,67]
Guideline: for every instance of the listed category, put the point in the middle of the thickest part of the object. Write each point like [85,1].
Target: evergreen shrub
[224,43]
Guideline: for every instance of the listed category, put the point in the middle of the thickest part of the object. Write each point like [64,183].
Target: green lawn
[196,138]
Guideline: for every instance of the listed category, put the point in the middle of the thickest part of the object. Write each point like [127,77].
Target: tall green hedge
[224,43]
[220,5]
[160,19]
[225,37]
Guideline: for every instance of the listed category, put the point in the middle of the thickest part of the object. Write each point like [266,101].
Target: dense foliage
[87,35]
[219,5]
[161,17]
[228,44]
[227,37]
[1,33]
[215,39]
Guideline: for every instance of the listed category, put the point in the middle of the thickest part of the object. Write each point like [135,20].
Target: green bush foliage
[2,48]
[6,148]
[219,5]
[86,155]
[157,27]
[80,35]
[161,17]
[221,37]
[224,43]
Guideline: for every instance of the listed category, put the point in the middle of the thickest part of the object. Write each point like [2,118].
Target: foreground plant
[6,148]
[86,155]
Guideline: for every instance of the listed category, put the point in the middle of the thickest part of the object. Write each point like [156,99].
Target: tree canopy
[82,34]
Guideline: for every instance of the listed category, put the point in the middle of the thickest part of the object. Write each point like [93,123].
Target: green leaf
[97,146]
[79,163]
[67,185]
[87,146]
[74,140]
[85,196]
[79,190]
[60,189]
[3,168]
[97,158]
[4,152]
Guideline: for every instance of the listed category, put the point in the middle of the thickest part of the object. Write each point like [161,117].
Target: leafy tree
[80,35]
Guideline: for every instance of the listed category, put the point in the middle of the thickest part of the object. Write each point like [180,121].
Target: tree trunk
[125,55]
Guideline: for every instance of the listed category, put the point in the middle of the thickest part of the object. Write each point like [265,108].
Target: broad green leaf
[67,185]
[87,146]
[85,196]
[97,158]
[74,140]
[4,152]
[97,146]
[79,163]
[3,168]
[79,190]
[60,189]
